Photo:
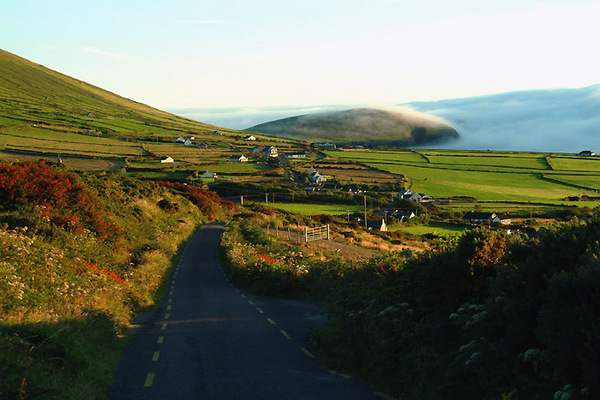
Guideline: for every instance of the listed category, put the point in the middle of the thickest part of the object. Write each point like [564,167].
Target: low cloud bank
[553,120]
[556,120]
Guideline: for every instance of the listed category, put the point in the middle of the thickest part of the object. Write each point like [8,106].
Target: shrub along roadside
[70,289]
[484,316]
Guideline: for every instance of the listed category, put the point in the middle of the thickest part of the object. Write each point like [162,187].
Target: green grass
[436,228]
[487,176]
[316,209]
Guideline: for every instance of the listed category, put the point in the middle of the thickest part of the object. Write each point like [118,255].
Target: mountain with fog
[548,120]
[366,126]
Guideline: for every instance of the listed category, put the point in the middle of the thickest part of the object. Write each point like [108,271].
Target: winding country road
[211,340]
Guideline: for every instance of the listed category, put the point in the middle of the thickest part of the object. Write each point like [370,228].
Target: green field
[316,209]
[489,176]
[436,228]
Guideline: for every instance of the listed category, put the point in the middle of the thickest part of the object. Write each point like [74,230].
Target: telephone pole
[365,198]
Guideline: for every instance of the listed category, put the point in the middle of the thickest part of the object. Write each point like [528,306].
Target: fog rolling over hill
[552,120]
[362,126]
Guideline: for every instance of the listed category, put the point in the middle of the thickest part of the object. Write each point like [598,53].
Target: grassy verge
[80,255]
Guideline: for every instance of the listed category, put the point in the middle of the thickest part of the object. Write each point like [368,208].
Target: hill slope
[363,125]
[33,94]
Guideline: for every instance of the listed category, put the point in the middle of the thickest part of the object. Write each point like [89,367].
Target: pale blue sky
[222,53]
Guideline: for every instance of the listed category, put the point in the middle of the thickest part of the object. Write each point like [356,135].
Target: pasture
[500,177]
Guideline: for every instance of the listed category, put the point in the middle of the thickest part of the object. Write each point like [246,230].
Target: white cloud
[106,54]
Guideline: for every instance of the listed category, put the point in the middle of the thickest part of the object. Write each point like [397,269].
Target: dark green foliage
[484,316]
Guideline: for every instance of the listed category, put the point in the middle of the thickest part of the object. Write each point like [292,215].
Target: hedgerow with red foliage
[208,202]
[56,195]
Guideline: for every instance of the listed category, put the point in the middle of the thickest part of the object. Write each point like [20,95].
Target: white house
[187,142]
[166,159]
[180,140]
[238,158]
[250,137]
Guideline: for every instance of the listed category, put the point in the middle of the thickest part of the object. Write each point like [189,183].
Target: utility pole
[365,198]
[267,198]
[242,200]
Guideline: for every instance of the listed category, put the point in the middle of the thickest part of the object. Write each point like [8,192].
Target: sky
[291,53]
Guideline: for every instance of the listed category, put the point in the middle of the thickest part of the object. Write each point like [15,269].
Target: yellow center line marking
[161,339]
[308,353]
[168,307]
[284,333]
[251,302]
[171,293]
[149,379]
[243,296]
[259,310]
[155,356]
[164,327]
[167,315]
[271,321]
[170,300]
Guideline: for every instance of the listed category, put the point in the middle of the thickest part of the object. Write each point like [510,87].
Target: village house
[377,225]
[166,159]
[208,174]
[586,153]
[180,140]
[250,138]
[268,151]
[420,198]
[238,158]
[295,155]
[490,218]
[187,142]
[202,146]
[401,215]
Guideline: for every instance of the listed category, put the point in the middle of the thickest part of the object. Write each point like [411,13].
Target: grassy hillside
[33,94]
[361,126]
[45,114]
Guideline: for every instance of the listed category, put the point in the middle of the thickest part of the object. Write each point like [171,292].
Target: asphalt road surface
[213,341]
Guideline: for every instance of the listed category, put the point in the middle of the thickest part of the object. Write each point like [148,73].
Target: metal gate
[319,232]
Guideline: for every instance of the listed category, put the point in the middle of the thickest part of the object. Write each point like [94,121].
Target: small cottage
[377,225]
[166,159]
[238,158]
[475,217]
[208,174]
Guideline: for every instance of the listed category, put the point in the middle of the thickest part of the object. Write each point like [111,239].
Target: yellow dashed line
[156,355]
[170,300]
[149,379]
[259,310]
[168,307]
[308,353]
[167,315]
[243,296]
[284,333]
[271,321]
[251,302]
[164,327]
[161,339]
